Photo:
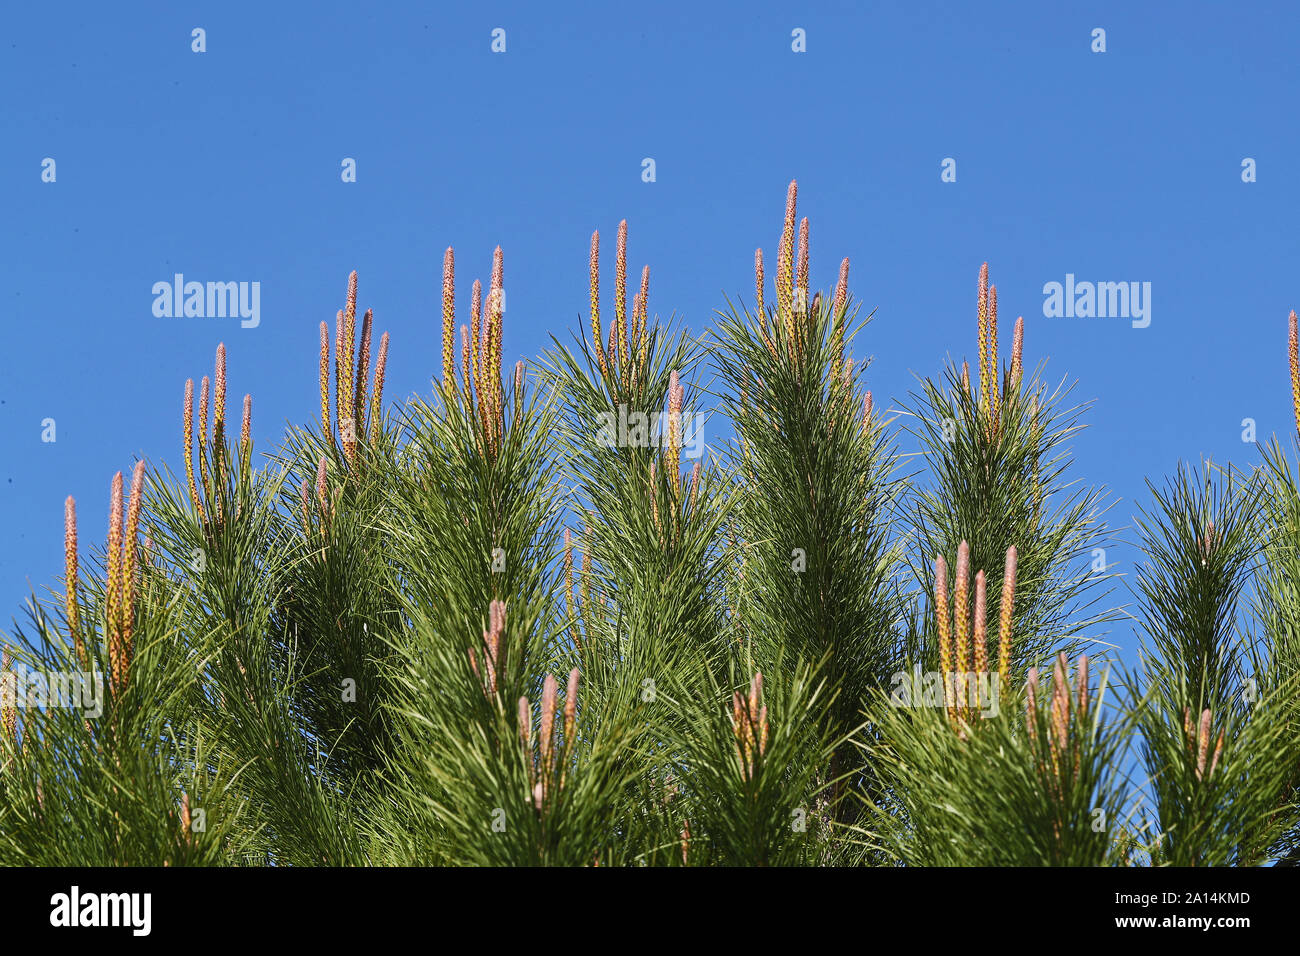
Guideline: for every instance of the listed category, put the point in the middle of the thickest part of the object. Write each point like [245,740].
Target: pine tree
[532,618]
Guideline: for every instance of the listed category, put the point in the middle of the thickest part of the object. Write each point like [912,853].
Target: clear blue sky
[225,165]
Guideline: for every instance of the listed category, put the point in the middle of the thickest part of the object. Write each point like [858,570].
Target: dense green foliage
[515,622]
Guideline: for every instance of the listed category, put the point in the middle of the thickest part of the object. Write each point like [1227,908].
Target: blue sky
[225,165]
